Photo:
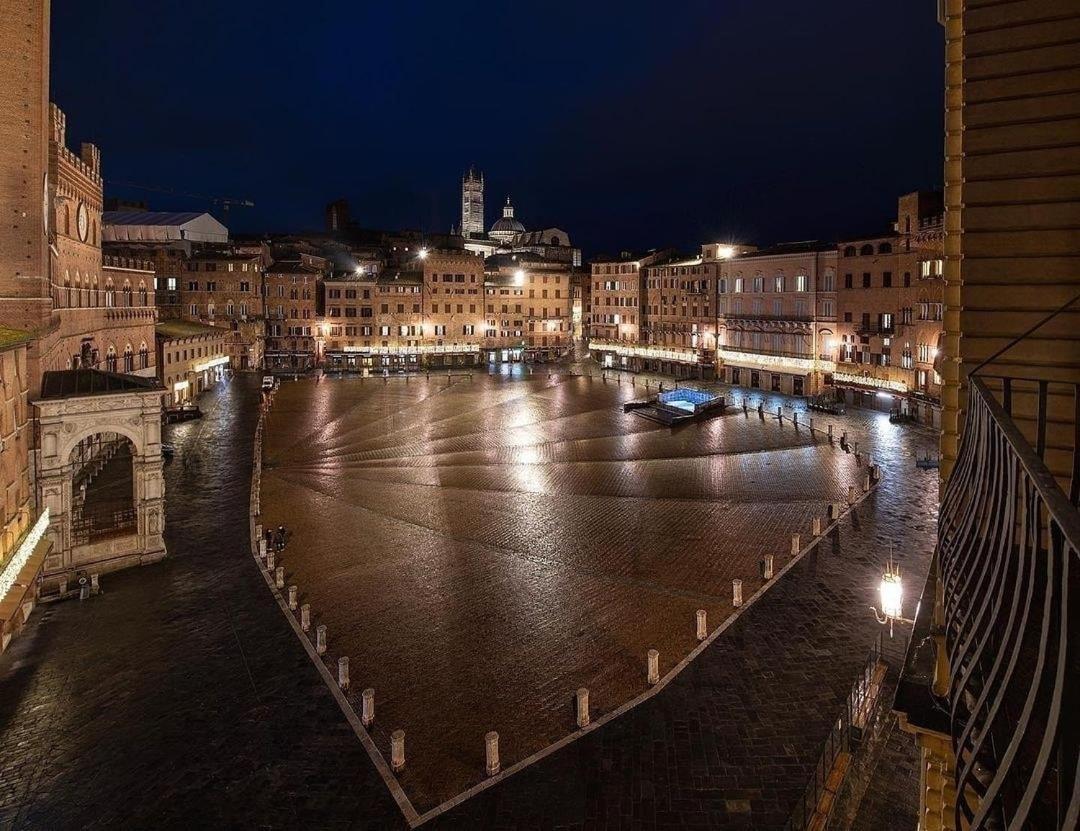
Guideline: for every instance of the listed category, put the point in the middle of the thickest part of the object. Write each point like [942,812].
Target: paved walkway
[182,699]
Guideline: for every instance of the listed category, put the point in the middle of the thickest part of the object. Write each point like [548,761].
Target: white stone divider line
[300,628]
[638,700]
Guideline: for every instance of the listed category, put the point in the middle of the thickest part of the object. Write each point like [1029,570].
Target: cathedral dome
[506,227]
[504,224]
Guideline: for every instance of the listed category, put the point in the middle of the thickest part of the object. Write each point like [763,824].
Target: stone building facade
[23,545]
[889,316]
[88,318]
[223,286]
[191,358]
[777,309]
[527,306]
[294,340]
[616,320]
[680,317]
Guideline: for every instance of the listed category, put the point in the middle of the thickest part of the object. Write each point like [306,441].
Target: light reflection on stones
[481,549]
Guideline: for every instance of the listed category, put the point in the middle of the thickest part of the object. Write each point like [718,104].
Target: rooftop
[12,337]
[72,383]
[800,247]
[172,329]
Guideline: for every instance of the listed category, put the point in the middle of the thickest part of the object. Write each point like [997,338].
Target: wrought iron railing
[93,527]
[1010,570]
[813,808]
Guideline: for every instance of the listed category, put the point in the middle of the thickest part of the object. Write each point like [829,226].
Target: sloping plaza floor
[181,698]
[481,547]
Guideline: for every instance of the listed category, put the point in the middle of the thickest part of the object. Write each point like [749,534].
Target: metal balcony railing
[1008,543]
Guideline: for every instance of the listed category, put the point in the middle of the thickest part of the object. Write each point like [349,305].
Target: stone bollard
[305,617]
[653,666]
[858,459]
[292,598]
[780,413]
[262,548]
[795,418]
[761,411]
[95,585]
[795,544]
[811,425]
[767,567]
[397,750]
[745,411]
[702,625]
[491,750]
[343,672]
[320,638]
[258,529]
[736,592]
[367,707]
[270,557]
[815,526]
[582,707]
[279,577]
[855,447]
[829,430]
[851,495]
[866,483]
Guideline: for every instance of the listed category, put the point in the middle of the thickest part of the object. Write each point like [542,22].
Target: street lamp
[423,253]
[891,591]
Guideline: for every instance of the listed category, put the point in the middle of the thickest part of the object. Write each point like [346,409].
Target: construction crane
[224,201]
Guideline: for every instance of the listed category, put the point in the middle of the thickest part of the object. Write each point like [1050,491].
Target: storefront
[775,373]
[679,363]
[380,359]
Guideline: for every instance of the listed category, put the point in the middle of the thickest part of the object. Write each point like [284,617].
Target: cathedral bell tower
[472,204]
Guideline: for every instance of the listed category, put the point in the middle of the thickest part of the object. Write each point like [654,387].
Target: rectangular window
[801,282]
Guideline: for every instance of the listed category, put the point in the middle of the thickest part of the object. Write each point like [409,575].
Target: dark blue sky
[629,124]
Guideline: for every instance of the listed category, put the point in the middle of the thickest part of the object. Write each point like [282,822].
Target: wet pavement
[481,547]
[181,697]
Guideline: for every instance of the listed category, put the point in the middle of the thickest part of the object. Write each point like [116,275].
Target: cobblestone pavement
[483,548]
[181,697]
[733,740]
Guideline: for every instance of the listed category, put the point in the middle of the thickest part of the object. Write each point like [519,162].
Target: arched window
[849,251]
[144,356]
[867,250]
[110,298]
[884,248]
[129,358]
[110,359]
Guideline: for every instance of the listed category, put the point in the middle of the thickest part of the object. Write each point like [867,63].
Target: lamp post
[891,591]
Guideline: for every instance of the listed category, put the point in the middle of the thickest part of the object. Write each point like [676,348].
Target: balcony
[1007,565]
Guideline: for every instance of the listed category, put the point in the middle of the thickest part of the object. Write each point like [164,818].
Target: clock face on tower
[82,221]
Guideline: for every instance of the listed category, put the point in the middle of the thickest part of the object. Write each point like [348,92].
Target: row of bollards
[581,696]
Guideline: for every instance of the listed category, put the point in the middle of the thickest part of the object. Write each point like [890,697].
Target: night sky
[630,124]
